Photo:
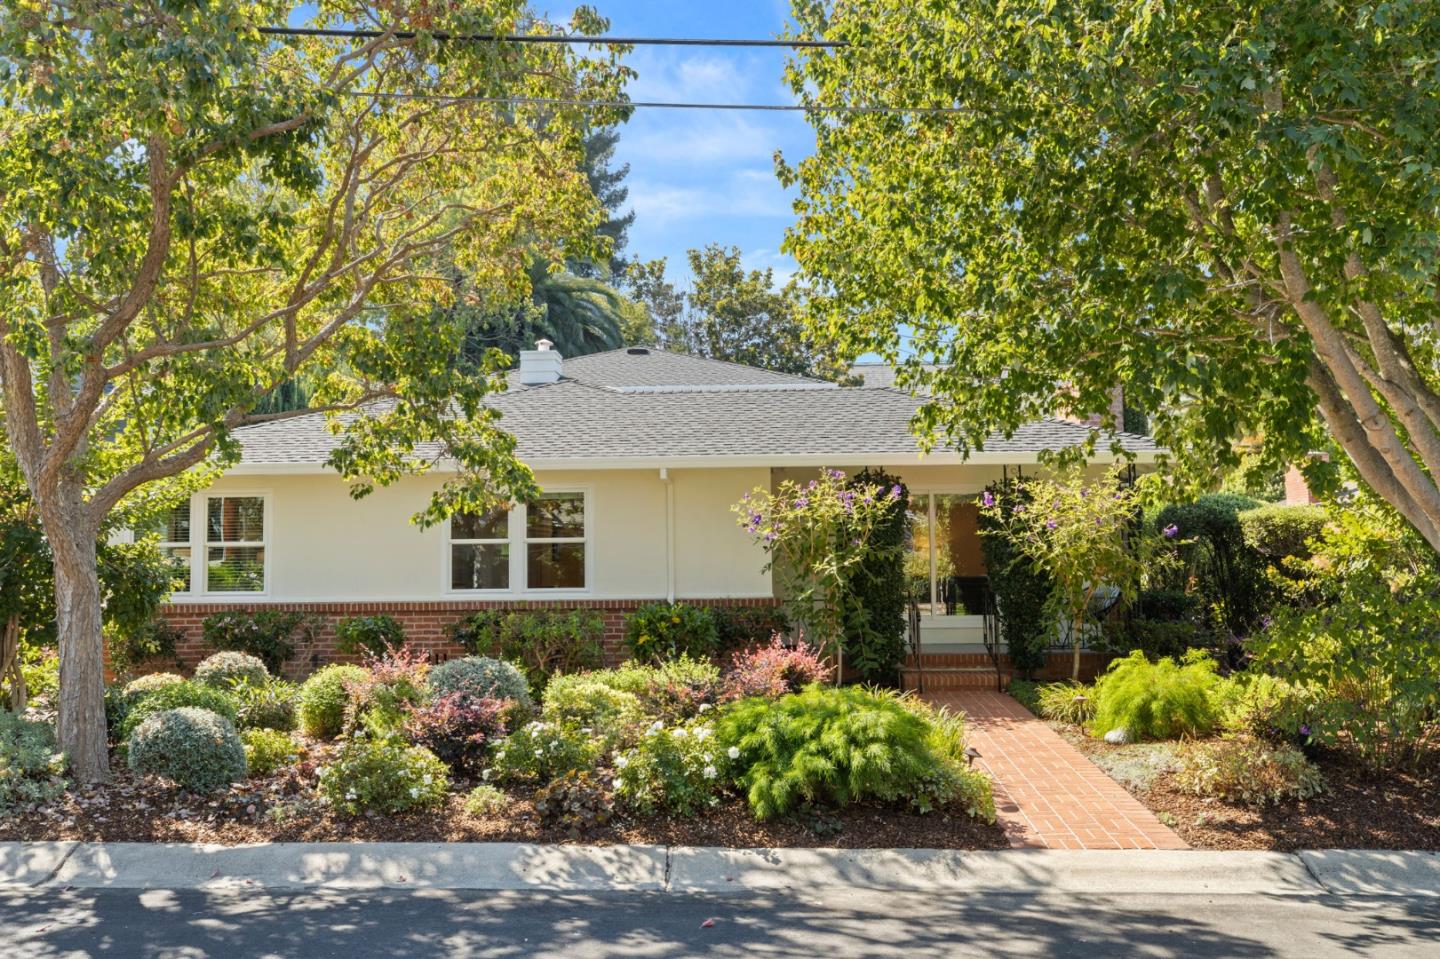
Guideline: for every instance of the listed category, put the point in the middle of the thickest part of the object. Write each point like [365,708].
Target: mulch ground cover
[283,808]
[1358,810]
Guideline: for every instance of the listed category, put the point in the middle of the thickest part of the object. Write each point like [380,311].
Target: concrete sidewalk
[679,869]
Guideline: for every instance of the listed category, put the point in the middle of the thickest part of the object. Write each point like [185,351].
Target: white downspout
[669,533]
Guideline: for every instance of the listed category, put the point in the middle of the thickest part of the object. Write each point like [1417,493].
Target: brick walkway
[1047,794]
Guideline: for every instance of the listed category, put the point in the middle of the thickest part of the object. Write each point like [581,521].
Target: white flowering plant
[383,774]
[679,770]
[542,750]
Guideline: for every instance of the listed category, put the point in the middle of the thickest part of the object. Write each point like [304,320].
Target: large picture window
[235,544]
[555,542]
[174,530]
[480,550]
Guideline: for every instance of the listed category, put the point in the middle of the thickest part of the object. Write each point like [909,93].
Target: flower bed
[666,753]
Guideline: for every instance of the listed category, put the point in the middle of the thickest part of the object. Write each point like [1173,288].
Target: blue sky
[700,177]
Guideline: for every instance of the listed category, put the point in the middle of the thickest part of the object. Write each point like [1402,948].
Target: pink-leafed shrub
[774,670]
[457,728]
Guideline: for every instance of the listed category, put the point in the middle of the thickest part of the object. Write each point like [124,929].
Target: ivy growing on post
[1022,589]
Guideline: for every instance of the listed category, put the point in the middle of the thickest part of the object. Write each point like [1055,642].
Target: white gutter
[943,458]
[669,533]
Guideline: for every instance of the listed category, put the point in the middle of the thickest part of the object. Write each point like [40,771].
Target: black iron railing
[913,640]
[991,634]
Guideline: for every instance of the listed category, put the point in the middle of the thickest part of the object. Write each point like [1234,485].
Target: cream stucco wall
[323,546]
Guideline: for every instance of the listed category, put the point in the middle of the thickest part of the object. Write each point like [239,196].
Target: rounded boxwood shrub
[383,774]
[141,685]
[267,750]
[323,698]
[175,696]
[223,670]
[271,705]
[196,748]
[480,677]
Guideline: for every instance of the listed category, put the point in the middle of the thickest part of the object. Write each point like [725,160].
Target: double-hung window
[174,530]
[540,545]
[235,544]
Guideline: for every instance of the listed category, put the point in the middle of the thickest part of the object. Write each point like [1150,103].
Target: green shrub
[575,802]
[457,728]
[1026,693]
[141,685]
[1262,706]
[267,750]
[540,751]
[1248,771]
[486,802]
[1160,700]
[1072,703]
[657,632]
[32,770]
[195,748]
[223,670]
[480,677]
[1279,532]
[372,635]
[268,705]
[175,696]
[674,691]
[325,698]
[740,627]
[1227,573]
[678,770]
[383,774]
[874,620]
[543,642]
[1022,590]
[40,668]
[388,689]
[586,702]
[156,639]
[834,745]
[271,635]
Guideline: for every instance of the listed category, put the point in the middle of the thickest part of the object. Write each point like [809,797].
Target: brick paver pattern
[1047,794]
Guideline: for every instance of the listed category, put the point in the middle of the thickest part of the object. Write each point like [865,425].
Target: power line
[547,38]
[654,104]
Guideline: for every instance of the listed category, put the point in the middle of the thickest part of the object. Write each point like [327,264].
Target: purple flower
[895,491]
[988,498]
[1170,532]
[1304,729]
[1051,524]
[803,501]
[770,537]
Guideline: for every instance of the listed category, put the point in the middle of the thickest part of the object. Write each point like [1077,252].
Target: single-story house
[640,453]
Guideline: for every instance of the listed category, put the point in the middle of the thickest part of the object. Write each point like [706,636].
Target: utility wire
[654,104]
[546,38]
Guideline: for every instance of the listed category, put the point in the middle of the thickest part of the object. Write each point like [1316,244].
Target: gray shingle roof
[595,414]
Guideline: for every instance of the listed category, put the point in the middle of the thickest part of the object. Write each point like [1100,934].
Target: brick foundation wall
[427,624]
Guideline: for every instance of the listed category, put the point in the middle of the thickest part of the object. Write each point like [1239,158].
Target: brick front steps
[971,670]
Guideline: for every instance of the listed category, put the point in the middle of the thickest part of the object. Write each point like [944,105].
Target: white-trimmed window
[174,530]
[235,544]
[480,550]
[536,546]
[555,541]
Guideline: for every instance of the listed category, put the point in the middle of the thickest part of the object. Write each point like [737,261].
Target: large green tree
[192,213]
[1230,208]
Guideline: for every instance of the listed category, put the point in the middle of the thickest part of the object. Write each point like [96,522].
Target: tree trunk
[10,673]
[1075,633]
[81,727]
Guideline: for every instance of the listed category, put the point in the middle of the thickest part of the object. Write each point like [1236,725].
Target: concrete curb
[684,869]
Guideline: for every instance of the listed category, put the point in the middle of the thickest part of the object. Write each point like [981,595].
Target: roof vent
[541,365]
[638,351]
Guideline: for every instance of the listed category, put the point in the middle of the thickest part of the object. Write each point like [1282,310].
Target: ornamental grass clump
[678,770]
[32,770]
[174,696]
[1160,700]
[1072,703]
[324,699]
[223,670]
[480,677]
[836,746]
[194,748]
[382,774]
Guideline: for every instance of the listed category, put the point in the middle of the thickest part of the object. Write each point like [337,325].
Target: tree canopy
[1229,208]
[192,213]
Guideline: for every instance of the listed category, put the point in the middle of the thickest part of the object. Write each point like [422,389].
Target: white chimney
[541,365]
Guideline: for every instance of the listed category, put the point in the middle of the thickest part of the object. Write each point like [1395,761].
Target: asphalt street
[252,922]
